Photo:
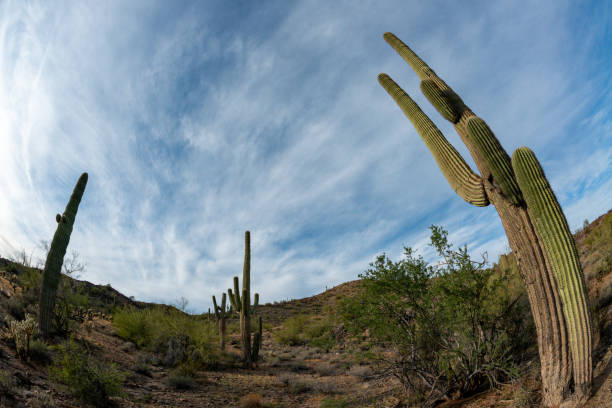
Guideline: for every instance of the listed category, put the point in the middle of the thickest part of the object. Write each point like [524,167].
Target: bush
[16,308]
[7,383]
[339,402]
[39,399]
[39,351]
[453,327]
[178,337]
[251,401]
[303,329]
[182,378]
[88,379]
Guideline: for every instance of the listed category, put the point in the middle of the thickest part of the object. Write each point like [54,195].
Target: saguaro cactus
[221,313]
[532,218]
[242,305]
[55,257]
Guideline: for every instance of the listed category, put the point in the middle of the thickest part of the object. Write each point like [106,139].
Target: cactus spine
[242,305]
[221,314]
[55,257]
[536,228]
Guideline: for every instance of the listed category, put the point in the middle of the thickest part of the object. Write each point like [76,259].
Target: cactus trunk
[221,314]
[243,306]
[55,258]
[532,218]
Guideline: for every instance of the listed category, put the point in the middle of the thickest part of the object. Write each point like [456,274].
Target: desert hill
[307,359]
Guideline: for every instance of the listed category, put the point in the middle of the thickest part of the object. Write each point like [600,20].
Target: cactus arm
[246,270]
[560,247]
[55,257]
[223,304]
[418,65]
[237,299]
[255,303]
[447,102]
[230,294]
[216,308]
[481,141]
[495,157]
[257,338]
[462,179]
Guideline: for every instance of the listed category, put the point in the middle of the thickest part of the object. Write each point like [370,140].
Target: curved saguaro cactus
[221,313]
[556,238]
[536,228]
[55,257]
[242,305]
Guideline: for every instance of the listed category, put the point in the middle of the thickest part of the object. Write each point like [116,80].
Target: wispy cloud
[198,122]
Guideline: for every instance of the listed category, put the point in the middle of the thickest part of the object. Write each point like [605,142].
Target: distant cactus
[221,313]
[55,257]
[537,230]
[242,305]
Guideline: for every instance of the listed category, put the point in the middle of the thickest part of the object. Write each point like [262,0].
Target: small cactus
[221,313]
[55,257]
[21,333]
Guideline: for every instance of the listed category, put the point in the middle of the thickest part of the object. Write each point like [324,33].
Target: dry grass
[251,401]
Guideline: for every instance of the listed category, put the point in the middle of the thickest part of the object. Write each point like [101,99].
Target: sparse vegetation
[316,354]
[313,330]
[87,378]
[176,335]
[181,380]
[452,327]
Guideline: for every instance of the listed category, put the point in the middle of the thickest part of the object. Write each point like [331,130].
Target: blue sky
[199,121]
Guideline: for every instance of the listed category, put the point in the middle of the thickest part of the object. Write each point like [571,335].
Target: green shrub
[16,308]
[87,378]
[7,383]
[454,327]
[313,330]
[31,280]
[182,378]
[292,331]
[39,351]
[178,337]
[337,402]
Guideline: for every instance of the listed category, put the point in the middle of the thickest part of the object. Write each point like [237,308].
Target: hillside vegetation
[346,347]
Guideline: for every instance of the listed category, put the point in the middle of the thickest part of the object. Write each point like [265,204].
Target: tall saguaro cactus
[55,257]
[221,313]
[242,305]
[536,228]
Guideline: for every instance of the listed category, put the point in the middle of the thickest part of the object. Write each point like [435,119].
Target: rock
[6,288]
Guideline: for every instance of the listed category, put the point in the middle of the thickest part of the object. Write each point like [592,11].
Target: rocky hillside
[138,354]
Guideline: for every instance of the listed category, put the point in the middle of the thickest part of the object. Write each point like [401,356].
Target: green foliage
[91,381]
[315,331]
[453,325]
[601,235]
[39,351]
[178,336]
[181,379]
[336,402]
[16,308]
